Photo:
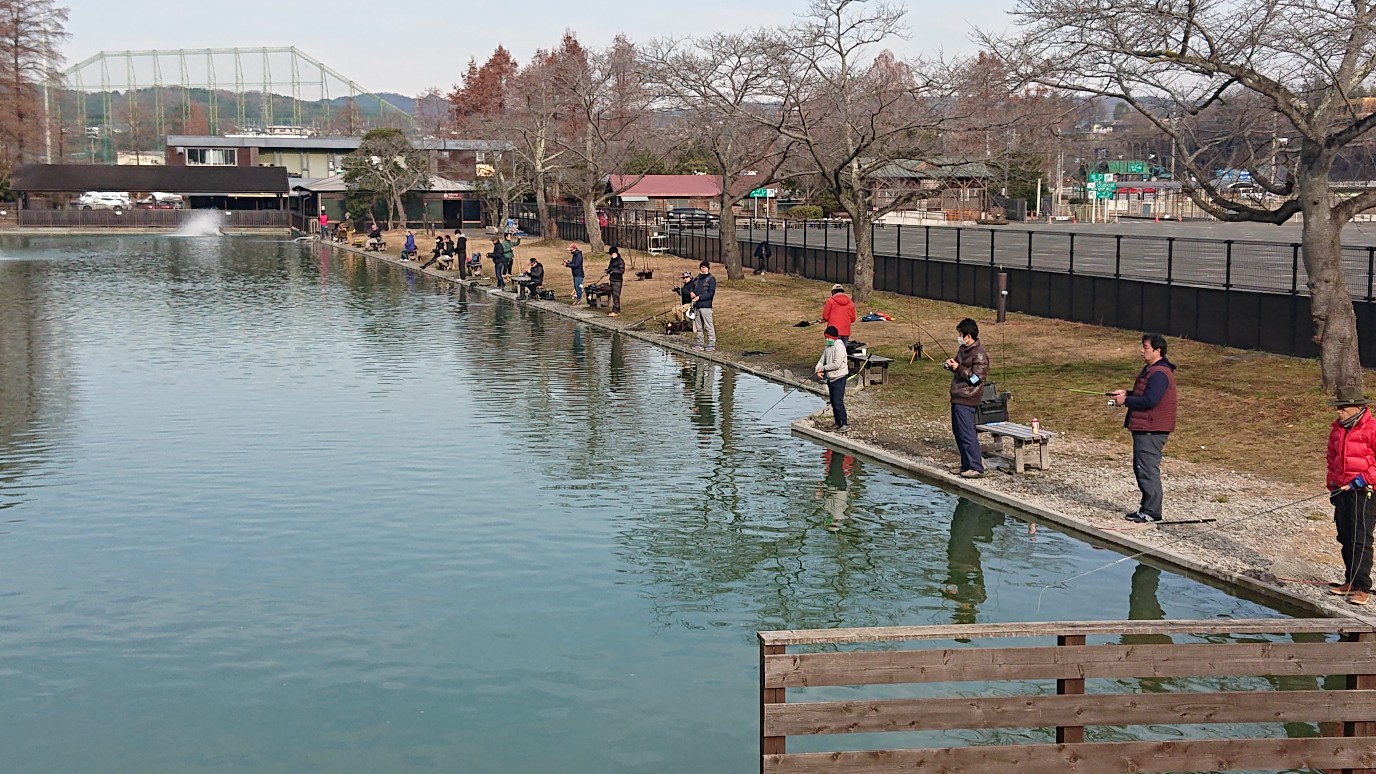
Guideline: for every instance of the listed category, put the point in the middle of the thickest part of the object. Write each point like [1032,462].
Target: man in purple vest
[1151,418]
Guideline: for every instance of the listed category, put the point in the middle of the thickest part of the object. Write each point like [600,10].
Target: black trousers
[1354,515]
[616,295]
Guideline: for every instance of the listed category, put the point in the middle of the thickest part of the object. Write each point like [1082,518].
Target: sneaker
[1359,598]
[972,474]
[841,428]
[1340,589]
[698,347]
[1142,518]
[712,348]
[613,314]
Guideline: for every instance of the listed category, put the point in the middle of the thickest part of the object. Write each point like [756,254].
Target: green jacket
[509,249]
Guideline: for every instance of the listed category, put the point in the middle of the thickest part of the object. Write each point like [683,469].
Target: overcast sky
[408,45]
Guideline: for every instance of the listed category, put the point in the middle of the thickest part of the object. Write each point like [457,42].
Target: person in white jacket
[833,368]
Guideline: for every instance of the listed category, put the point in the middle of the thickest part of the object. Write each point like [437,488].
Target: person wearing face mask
[969,368]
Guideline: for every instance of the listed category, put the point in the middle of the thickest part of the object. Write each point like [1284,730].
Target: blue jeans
[577,289]
[967,440]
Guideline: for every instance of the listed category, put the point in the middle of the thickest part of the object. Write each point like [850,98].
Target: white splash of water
[202,223]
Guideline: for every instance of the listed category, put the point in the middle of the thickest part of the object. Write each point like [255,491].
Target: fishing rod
[1062,583]
[651,317]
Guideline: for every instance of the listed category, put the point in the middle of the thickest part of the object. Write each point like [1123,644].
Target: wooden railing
[1348,715]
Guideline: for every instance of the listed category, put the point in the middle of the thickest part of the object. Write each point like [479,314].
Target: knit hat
[831,332]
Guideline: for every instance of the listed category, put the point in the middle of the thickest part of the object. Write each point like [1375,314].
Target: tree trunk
[864,250]
[398,210]
[595,243]
[1330,303]
[548,228]
[730,246]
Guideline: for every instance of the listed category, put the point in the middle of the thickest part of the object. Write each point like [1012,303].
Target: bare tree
[610,102]
[539,111]
[720,83]
[432,113]
[30,33]
[1264,85]
[386,162]
[852,112]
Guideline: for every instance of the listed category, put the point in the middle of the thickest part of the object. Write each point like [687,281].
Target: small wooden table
[873,369]
[1022,436]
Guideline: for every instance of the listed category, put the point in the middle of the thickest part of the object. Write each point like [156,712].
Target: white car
[103,200]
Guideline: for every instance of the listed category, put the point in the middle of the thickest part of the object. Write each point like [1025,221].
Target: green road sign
[764,193]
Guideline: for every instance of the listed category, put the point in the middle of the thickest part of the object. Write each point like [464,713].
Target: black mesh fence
[1248,294]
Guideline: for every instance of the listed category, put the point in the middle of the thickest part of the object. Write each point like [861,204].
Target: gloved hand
[1358,483]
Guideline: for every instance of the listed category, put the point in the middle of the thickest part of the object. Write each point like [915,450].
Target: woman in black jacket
[616,269]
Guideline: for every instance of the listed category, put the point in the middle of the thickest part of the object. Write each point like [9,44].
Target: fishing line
[1062,582]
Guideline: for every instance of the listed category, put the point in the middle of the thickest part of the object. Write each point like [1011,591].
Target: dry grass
[1240,410]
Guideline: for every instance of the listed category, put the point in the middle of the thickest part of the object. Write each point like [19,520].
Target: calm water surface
[267,511]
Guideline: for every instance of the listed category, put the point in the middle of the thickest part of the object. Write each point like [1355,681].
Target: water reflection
[835,490]
[971,523]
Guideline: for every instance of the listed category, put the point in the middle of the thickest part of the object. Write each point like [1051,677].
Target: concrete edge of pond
[1080,529]
[987,495]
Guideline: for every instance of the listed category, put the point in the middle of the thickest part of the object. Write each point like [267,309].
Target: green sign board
[764,193]
[1101,190]
[1100,177]
[1128,167]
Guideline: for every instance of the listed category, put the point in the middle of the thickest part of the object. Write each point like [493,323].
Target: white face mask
[960,342]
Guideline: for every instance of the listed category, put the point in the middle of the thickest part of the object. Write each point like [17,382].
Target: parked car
[691,216]
[102,200]
[158,200]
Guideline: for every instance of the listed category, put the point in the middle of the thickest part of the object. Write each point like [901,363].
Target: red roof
[667,186]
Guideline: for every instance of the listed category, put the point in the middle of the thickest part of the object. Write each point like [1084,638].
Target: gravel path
[1277,534]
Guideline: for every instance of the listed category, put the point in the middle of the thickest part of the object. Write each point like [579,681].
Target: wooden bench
[596,298]
[1022,436]
[873,369]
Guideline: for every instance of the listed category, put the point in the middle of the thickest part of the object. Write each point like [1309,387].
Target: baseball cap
[838,288]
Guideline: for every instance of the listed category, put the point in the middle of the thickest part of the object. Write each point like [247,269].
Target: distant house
[441,202]
[661,193]
[956,187]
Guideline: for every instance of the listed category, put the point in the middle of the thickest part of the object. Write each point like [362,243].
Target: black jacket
[616,267]
[537,273]
[706,288]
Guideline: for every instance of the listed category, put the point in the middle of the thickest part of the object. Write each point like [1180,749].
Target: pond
[273,511]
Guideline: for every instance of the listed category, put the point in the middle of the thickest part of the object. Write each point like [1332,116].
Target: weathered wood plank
[1114,709]
[1070,734]
[800,670]
[980,631]
[1181,755]
[770,744]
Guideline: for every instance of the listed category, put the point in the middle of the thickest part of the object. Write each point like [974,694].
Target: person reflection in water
[835,489]
[970,522]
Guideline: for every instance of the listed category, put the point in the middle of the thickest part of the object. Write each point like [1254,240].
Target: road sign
[1101,190]
[764,193]
[1100,177]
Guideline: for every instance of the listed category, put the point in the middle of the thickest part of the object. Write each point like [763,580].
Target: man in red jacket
[1351,471]
[1151,418]
[839,311]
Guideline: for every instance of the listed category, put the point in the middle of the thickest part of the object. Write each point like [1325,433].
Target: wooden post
[770,745]
[1064,687]
[1367,681]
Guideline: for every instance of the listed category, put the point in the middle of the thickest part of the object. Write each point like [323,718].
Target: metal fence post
[1029,250]
[1370,269]
[898,241]
[1295,269]
[927,244]
[1170,259]
[1072,253]
[958,231]
[991,247]
[1228,266]
[1118,256]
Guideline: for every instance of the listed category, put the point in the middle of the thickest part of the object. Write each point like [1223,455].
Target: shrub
[804,212]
